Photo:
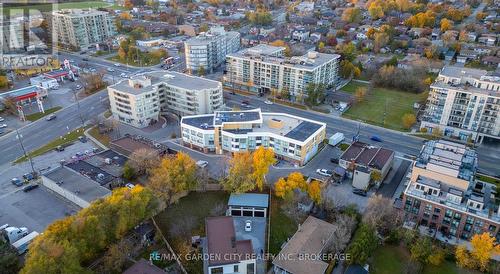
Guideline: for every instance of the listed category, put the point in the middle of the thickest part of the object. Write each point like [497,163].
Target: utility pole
[19,137]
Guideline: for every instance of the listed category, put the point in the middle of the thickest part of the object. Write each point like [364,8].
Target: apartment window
[250,268]
[428,207]
[492,228]
[235,268]
[217,270]
[448,213]
[437,210]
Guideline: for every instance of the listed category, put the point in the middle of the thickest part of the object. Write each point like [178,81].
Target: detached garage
[248,205]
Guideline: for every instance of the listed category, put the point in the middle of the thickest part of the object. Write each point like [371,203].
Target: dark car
[28,176]
[29,188]
[245,102]
[82,139]
[375,138]
[16,182]
[359,192]
[85,59]
[334,160]
[59,148]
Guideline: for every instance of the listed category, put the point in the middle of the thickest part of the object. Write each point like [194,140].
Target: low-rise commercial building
[208,50]
[80,28]
[443,195]
[362,159]
[264,69]
[464,103]
[292,138]
[138,101]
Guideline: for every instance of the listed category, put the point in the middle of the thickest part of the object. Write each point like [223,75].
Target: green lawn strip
[50,7]
[132,63]
[282,227]
[67,138]
[390,259]
[196,206]
[352,86]
[488,179]
[103,138]
[343,146]
[38,115]
[393,102]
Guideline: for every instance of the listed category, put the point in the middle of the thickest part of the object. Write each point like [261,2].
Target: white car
[3,125]
[123,75]
[2,119]
[93,70]
[267,102]
[129,185]
[110,70]
[201,163]
[248,225]
[78,87]
[117,65]
[324,172]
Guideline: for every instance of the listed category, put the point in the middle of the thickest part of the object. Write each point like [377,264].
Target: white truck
[336,138]
[22,244]
[12,234]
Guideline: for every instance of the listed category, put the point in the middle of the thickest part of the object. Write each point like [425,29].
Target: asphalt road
[397,141]
[41,132]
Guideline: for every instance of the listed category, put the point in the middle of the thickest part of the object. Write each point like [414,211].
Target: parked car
[334,160]
[78,87]
[359,192]
[117,65]
[324,172]
[129,185]
[85,59]
[376,138]
[16,182]
[123,75]
[267,102]
[3,125]
[30,188]
[51,117]
[59,148]
[28,176]
[248,225]
[2,119]
[82,139]
[245,102]
[110,69]
[202,163]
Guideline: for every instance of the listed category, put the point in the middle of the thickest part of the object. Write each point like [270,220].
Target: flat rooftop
[92,172]
[78,184]
[249,199]
[308,61]
[264,49]
[170,78]
[236,116]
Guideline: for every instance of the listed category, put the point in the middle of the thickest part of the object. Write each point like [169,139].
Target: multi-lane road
[41,132]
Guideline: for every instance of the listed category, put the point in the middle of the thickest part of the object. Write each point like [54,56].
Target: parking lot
[39,207]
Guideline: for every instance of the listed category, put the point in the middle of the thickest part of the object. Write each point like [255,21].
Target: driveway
[389,186]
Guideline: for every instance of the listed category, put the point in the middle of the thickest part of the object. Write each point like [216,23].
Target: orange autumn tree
[314,191]
[483,248]
[263,158]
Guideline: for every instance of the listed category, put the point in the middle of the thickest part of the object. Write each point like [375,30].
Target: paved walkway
[388,190]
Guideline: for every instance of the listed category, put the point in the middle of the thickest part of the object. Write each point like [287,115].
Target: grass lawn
[371,110]
[68,138]
[38,115]
[282,227]
[132,63]
[69,5]
[196,206]
[103,138]
[390,259]
[488,179]
[343,146]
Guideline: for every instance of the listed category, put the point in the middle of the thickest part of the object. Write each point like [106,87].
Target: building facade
[140,100]
[80,28]
[264,69]
[443,195]
[12,35]
[208,50]
[292,138]
[464,103]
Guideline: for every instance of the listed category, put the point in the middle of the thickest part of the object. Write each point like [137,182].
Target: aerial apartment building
[264,68]
[464,103]
[80,28]
[12,35]
[443,195]
[140,100]
[208,50]
[292,138]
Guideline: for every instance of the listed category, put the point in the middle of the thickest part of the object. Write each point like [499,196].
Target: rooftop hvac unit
[100,176]
[107,161]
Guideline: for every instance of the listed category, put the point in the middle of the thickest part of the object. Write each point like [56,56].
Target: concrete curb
[87,134]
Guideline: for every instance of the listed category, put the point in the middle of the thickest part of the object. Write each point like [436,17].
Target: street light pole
[19,137]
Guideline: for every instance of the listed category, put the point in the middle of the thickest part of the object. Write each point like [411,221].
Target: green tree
[201,71]
[421,249]
[128,172]
[363,245]
[9,262]
[315,94]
